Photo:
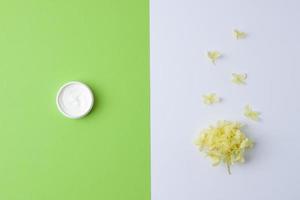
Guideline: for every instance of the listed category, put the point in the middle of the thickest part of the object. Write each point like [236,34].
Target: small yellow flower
[224,143]
[239,34]
[239,79]
[250,114]
[213,56]
[210,99]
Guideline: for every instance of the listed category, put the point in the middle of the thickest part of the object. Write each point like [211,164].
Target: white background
[181,32]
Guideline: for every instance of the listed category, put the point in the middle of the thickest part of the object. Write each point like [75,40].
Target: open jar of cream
[74,99]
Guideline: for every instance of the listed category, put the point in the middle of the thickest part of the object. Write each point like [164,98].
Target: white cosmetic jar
[74,99]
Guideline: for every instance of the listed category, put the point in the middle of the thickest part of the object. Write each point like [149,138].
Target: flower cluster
[224,143]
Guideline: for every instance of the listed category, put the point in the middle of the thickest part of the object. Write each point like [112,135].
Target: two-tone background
[133,145]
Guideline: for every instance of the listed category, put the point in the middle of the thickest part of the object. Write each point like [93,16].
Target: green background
[45,156]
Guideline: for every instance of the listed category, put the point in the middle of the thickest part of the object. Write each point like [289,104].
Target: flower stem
[228,168]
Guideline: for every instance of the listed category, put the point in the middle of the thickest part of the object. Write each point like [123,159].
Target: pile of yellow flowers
[224,143]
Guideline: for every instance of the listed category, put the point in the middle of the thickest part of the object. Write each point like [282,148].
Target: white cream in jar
[74,99]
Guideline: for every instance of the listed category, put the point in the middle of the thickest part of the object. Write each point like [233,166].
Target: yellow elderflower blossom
[239,79]
[249,113]
[210,99]
[239,34]
[224,143]
[213,56]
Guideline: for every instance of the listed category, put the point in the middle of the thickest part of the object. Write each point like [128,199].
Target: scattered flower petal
[213,56]
[239,79]
[224,143]
[250,114]
[239,34]
[210,99]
